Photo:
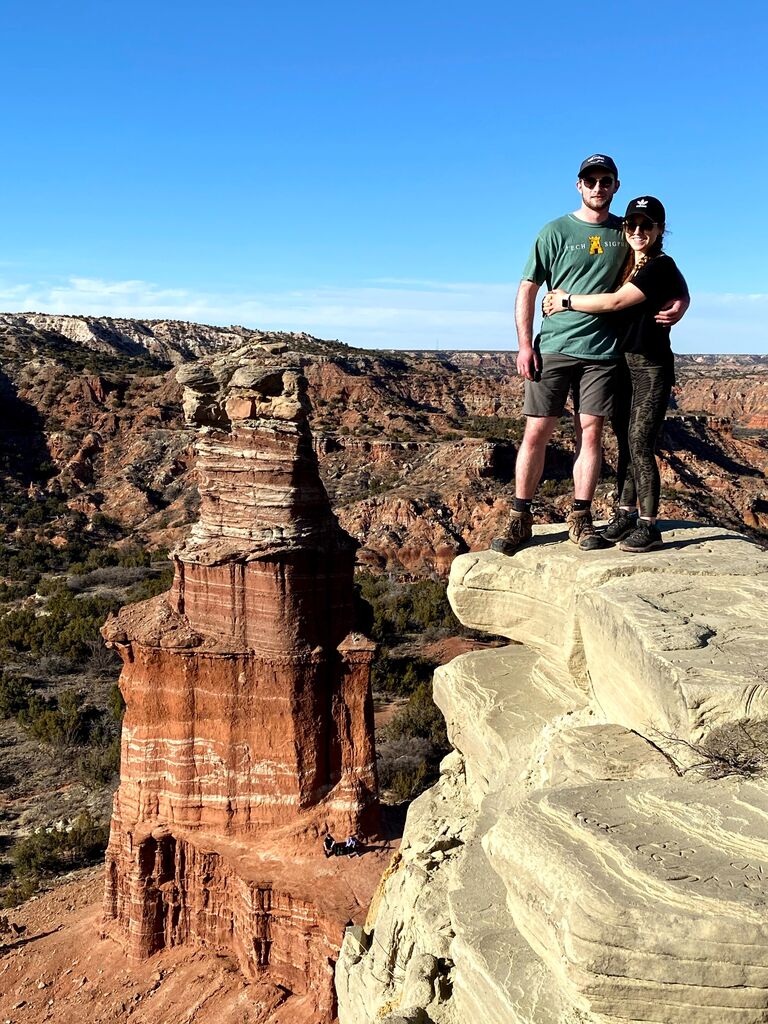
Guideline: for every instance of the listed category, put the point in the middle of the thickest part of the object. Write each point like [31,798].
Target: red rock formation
[249,722]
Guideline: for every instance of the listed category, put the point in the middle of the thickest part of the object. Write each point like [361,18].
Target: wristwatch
[566,302]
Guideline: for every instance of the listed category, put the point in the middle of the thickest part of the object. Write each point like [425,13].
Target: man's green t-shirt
[581,258]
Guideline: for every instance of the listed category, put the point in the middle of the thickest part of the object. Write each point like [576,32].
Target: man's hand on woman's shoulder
[673,312]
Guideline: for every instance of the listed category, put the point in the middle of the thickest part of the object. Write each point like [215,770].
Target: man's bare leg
[528,470]
[531,453]
[586,472]
[589,455]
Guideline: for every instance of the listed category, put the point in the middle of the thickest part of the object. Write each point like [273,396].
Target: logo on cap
[642,203]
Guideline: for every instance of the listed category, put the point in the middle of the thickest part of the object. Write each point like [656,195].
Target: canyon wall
[248,733]
[596,849]
[416,449]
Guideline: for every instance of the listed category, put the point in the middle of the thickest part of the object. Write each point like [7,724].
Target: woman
[649,280]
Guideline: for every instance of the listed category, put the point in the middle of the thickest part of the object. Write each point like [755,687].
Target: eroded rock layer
[596,850]
[248,731]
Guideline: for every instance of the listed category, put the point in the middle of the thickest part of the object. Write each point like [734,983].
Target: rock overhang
[669,643]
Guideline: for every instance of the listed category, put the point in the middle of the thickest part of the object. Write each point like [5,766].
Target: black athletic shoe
[645,537]
[519,531]
[621,524]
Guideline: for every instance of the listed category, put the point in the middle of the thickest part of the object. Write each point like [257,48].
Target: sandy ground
[65,969]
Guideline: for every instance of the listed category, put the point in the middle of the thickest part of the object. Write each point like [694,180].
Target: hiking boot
[519,531]
[644,537]
[582,532]
[620,525]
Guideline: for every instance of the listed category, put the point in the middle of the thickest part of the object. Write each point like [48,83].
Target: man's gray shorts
[591,381]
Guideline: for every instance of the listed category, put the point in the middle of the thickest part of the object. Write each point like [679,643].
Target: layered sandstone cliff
[248,732]
[596,850]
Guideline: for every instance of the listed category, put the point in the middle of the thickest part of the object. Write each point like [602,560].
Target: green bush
[64,723]
[401,608]
[399,676]
[69,626]
[150,587]
[49,851]
[407,784]
[553,488]
[14,695]
[99,765]
[494,428]
[420,717]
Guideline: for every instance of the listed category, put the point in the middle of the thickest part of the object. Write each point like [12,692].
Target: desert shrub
[115,576]
[494,428]
[62,723]
[399,676]
[17,891]
[49,851]
[106,524]
[407,784]
[68,626]
[400,608]
[14,695]
[419,717]
[102,660]
[429,606]
[401,755]
[99,765]
[150,587]
[53,666]
[16,591]
[411,746]
[736,748]
[554,488]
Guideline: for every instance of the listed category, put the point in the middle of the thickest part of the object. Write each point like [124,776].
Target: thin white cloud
[387,313]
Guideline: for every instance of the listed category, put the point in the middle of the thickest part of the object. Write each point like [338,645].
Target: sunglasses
[605,182]
[642,225]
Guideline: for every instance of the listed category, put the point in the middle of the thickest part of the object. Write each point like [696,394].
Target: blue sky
[371,172]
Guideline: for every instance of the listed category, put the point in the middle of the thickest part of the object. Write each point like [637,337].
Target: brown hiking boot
[518,532]
[582,532]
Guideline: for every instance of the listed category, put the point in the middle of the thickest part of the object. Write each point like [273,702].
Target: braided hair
[630,268]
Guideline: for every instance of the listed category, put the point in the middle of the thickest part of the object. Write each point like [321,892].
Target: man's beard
[596,203]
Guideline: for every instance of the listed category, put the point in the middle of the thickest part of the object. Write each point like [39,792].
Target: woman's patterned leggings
[642,395]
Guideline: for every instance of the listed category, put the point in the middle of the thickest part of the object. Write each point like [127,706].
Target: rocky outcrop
[416,449]
[248,732]
[596,849]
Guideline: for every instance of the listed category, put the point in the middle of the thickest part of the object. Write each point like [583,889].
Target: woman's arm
[608,302]
[674,310]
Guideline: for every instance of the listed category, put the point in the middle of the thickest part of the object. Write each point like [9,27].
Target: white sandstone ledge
[666,642]
[571,866]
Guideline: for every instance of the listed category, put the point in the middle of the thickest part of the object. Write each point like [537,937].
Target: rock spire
[248,731]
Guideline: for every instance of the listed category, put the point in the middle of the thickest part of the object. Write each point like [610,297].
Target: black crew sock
[522,504]
[580,505]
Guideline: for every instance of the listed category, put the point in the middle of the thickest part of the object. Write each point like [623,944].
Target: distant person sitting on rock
[575,353]
[353,846]
[329,845]
[646,374]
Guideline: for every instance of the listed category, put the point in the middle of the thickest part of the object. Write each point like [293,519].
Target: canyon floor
[65,967]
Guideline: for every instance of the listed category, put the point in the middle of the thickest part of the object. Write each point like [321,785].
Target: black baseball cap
[599,160]
[650,207]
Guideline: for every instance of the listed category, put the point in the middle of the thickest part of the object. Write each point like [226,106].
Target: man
[575,352]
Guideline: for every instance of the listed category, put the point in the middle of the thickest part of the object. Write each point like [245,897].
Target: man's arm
[528,361]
